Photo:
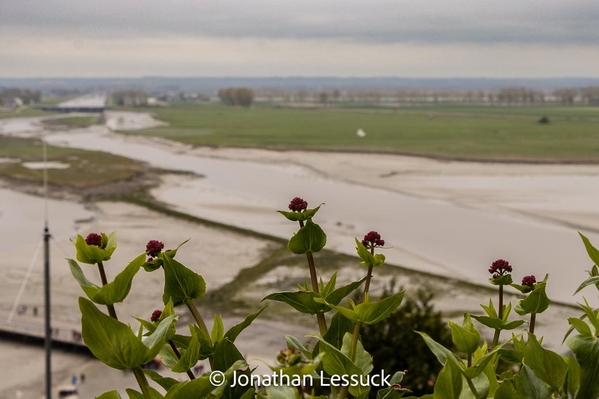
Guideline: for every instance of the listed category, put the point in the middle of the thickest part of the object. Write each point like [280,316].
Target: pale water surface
[433,235]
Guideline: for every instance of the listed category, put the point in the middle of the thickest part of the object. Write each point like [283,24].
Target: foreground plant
[334,364]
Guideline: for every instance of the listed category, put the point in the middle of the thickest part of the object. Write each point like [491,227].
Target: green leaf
[300,216]
[373,312]
[172,252]
[309,239]
[589,281]
[369,312]
[506,391]
[337,295]
[591,250]
[226,355]
[340,325]
[114,292]
[442,353]
[180,283]
[490,310]
[393,392]
[133,394]
[491,322]
[586,350]
[198,388]
[510,325]
[582,327]
[165,382]
[234,331]
[547,365]
[330,286]
[362,358]
[218,329]
[465,337]
[109,395]
[536,302]
[368,259]
[114,343]
[92,254]
[301,301]
[506,279]
[111,341]
[449,382]
[168,356]
[155,341]
[336,363]
[189,357]
[295,343]
[572,384]
[281,392]
[530,386]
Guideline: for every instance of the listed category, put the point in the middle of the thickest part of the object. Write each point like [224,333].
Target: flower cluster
[93,239]
[156,315]
[500,267]
[154,247]
[529,281]
[289,357]
[298,205]
[372,240]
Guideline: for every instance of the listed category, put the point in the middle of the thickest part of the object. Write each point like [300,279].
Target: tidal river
[437,236]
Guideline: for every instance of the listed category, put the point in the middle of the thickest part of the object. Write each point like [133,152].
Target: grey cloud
[377,21]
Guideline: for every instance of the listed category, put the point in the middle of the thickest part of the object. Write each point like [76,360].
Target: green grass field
[495,133]
[87,168]
[23,113]
[74,121]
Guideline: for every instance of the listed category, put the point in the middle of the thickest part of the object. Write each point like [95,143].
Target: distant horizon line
[303,77]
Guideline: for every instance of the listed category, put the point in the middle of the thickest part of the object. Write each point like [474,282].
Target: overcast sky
[416,38]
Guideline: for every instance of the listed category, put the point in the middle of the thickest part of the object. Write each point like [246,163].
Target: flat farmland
[452,132]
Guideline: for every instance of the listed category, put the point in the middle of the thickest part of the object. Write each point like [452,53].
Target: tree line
[237,96]
[28,97]
[504,96]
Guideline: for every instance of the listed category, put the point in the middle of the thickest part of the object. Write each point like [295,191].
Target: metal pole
[48,340]
[47,312]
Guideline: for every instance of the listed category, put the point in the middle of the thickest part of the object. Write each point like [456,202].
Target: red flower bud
[372,240]
[156,315]
[298,205]
[93,239]
[529,280]
[154,247]
[500,267]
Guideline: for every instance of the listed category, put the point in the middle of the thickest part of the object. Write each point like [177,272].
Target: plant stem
[533,319]
[495,339]
[322,323]
[142,381]
[343,392]
[367,283]
[500,314]
[111,310]
[178,354]
[469,360]
[354,341]
[198,318]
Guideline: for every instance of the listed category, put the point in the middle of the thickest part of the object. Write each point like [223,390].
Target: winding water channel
[437,236]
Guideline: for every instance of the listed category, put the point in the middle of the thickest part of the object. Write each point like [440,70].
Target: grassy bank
[85,168]
[74,121]
[495,133]
[23,113]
